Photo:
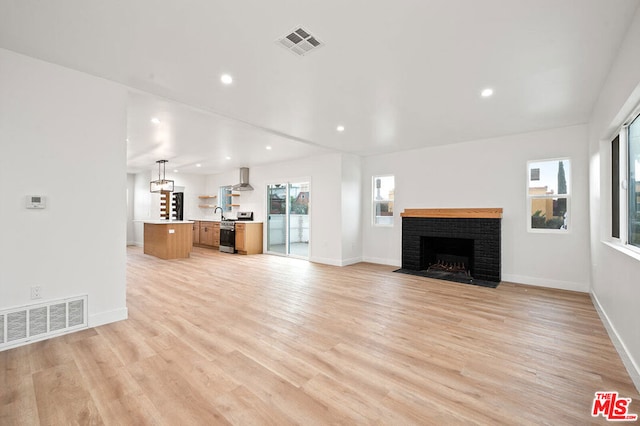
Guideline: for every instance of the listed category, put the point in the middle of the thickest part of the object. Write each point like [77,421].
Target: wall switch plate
[36,292]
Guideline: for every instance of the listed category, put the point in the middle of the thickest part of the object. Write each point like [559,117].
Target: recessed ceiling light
[226,79]
[175,170]
[340,128]
[487,92]
[198,165]
[155,120]
[268,147]
[227,157]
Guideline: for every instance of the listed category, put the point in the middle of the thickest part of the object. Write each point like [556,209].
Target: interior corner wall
[63,137]
[615,271]
[490,173]
[323,172]
[142,202]
[131,182]
[325,239]
[351,209]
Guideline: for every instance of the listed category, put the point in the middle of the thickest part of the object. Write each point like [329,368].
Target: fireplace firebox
[447,255]
[461,245]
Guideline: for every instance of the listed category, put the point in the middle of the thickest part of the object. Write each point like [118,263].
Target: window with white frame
[633,171]
[225,198]
[548,195]
[383,191]
[625,184]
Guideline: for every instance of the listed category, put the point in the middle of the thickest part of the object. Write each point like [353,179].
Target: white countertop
[164,222]
[235,220]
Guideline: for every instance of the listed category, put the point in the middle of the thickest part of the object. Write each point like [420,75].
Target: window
[225,199]
[633,186]
[625,184]
[383,189]
[615,187]
[548,193]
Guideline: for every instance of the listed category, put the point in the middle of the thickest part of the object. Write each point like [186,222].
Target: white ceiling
[397,74]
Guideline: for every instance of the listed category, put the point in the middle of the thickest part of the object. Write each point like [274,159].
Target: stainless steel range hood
[244,181]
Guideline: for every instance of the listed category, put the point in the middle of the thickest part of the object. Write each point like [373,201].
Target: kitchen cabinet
[196,232]
[248,237]
[216,234]
[240,237]
[168,240]
[209,233]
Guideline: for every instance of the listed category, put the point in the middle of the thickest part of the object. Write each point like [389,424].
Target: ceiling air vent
[300,42]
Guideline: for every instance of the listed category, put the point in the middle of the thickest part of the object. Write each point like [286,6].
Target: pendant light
[161,185]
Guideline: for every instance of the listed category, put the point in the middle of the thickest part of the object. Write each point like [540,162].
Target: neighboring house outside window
[383,191]
[548,195]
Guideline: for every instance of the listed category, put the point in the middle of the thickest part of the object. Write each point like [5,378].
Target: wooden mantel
[480,213]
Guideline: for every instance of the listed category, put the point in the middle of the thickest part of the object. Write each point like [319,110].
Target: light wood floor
[230,339]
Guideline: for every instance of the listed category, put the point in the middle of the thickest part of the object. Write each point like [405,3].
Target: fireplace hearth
[460,245]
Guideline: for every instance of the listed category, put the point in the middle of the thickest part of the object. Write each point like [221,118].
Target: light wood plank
[63,398]
[18,405]
[219,339]
[477,213]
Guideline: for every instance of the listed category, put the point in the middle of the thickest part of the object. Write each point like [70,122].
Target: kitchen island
[168,239]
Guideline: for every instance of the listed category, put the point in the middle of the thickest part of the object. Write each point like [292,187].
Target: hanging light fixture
[161,185]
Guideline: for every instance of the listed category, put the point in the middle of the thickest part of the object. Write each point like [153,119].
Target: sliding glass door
[277,218]
[299,219]
[288,225]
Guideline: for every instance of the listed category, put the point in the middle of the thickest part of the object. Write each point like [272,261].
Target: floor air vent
[299,41]
[41,321]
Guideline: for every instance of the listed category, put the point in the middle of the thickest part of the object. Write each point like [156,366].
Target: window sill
[631,252]
[548,231]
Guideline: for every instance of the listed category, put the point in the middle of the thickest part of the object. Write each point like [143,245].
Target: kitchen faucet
[221,212]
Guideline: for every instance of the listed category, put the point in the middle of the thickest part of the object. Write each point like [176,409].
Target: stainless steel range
[228,236]
[228,232]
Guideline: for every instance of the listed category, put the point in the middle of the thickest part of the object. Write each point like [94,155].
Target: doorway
[288,224]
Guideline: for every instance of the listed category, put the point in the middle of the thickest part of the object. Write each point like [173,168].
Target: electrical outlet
[36,292]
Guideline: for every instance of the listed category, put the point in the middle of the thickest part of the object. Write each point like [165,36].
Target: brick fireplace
[461,245]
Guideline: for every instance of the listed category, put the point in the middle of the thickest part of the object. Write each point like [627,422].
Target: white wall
[141,206]
[146,206]
[194,185]
[615,282]
[63,136]
[325,176]
[351,209]
[490,173]
[131,188]
[248,200]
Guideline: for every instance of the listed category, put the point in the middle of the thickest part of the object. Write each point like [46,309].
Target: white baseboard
[102,318]
[335,262]
[352,261]
[381,261]
[630,364]
[545,282]
[325,260]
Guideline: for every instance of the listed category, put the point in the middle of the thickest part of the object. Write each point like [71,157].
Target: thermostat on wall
[36,202]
